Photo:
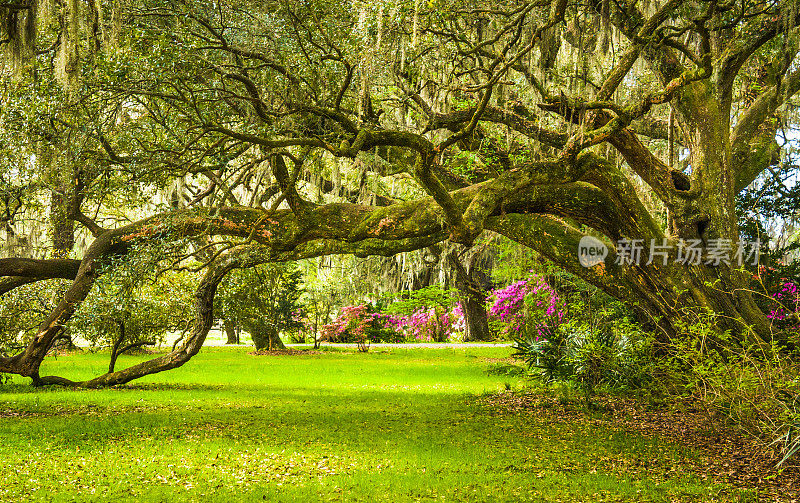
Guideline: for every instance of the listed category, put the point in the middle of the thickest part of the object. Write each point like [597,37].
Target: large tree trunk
[472,297]
[475,319]
[668,297]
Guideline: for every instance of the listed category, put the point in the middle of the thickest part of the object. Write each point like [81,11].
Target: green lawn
[399,425]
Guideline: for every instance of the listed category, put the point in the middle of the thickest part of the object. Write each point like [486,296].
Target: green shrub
[616,354]
[754,389]
[549,356]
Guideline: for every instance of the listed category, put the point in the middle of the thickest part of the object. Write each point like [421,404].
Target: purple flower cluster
[789,298]
[507,301]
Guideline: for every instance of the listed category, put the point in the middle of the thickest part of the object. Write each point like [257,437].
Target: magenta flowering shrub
[358,323]
[508,301]
[432,324]
[531,303]
[350,324]
[788,299]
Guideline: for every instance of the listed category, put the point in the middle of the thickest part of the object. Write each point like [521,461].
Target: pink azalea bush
[350,324]
[431,324]
[358,323]
[529,302]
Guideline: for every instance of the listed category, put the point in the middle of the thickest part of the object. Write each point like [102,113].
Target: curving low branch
[37,268]
[244,256]
[17,272]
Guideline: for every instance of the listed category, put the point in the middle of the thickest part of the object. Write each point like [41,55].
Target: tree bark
[264,336]
[473,299]
[230,331]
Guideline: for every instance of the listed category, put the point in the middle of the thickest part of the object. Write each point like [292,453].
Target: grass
[398,425]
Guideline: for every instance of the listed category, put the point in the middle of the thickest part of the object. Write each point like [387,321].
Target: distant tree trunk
[115,348]
[477,325]
[231,332]
[265,336]
[473,299]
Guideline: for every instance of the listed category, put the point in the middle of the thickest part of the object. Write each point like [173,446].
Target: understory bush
[429,324]
[525,305]
[755,389]
[617,356]
[787,300]
[572,334]
[266,302]
[128,311]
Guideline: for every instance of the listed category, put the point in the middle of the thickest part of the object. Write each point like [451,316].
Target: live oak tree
[542,121]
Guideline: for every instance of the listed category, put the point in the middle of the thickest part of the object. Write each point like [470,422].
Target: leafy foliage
[265,300]
[129,307]
[22,311]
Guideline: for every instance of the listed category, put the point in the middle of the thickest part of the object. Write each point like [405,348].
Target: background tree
[473,284]
[265,301]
